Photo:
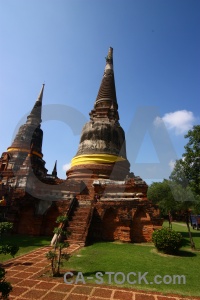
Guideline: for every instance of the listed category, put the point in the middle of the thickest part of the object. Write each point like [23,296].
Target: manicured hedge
[167,240]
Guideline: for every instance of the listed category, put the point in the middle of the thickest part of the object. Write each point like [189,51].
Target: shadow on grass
[186,235]
[88,274]
[185,238]
[179,253]
[26,241]
[185,242]
[184,253]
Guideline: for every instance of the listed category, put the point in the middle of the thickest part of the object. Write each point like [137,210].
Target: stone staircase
[78,224]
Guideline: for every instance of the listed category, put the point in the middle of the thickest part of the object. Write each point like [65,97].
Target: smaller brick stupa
[29,138]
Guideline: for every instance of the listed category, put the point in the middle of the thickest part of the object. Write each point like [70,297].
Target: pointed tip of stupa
[40,96]
[110,53]
[54,172]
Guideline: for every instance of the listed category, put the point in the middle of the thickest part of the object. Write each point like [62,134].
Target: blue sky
[64,43]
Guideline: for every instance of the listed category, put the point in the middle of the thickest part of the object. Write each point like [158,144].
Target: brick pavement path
[23,272]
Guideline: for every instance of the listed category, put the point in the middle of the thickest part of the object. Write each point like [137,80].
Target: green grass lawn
[126,258]
[25,243]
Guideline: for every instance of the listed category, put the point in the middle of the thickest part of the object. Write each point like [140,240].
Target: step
[79,219]
[76,223]
[84,217]
[76,232]
[71,241]
[83,207]
[76,228]
[75,236]
[80,213]
[83,214]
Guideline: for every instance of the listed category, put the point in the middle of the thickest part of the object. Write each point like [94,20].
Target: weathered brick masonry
[102,198]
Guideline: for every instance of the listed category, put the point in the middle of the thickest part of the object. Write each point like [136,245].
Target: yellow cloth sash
[95,159]
[24,150]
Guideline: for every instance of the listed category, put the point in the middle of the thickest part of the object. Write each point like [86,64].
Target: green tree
[186,170]
[184,198]
[186,177]
[172,197]
[178,174]
[5,287]
[160,193]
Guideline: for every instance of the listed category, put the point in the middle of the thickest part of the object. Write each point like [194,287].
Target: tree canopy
[160,193]
[187,170]
[182,190]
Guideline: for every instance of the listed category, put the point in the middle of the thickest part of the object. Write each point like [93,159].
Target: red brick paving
[103,293]
[164,298]
[34,294]
[23,273]
[99,298]
[45,285]
[76,297]
[63,287]
[146,297]
[29,282]
[54,295]
[123,295]
[17,290]
[82,290]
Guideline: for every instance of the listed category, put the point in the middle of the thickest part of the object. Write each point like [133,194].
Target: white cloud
[172,164]
[158,121]
[66,166]
[180,121]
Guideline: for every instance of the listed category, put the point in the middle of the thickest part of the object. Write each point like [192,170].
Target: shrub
[167,240]
[5,287]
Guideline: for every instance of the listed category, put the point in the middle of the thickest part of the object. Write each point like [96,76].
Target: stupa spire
[107,89]
[109,60]
[54,172]
[35,116]
[30,134]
